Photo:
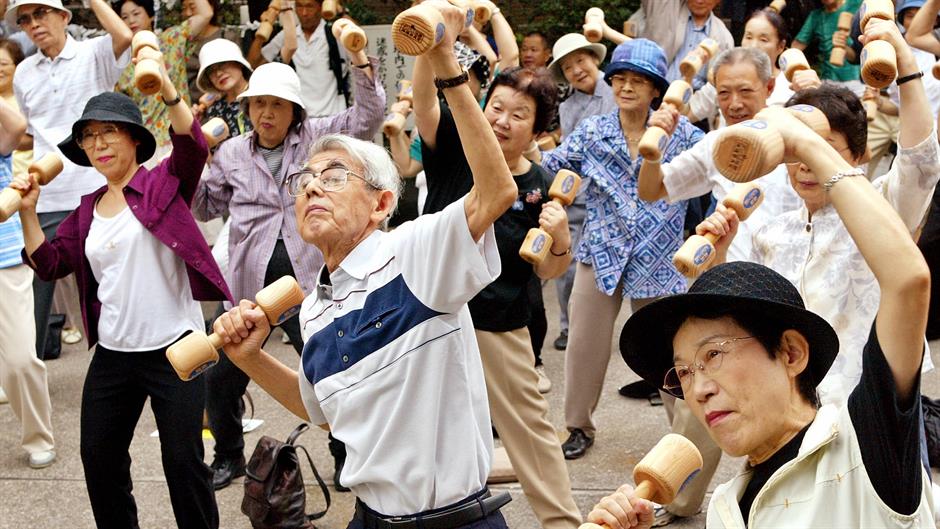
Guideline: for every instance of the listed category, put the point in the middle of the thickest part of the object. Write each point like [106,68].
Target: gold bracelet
[562,254]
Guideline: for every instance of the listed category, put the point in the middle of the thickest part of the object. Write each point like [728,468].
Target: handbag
[275,497]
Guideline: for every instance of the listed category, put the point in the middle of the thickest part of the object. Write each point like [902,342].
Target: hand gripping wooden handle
[352,36]
[420,28]
[654,139]
[395,121]
[837,55]
[594,24]
[329,8]
[197,352]
[44,170]
[883,9]
[693,62]
[538,242]
[405,91]
[146,49]
[791,61]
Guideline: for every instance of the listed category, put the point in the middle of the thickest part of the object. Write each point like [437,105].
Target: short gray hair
[756,57]
[377,164]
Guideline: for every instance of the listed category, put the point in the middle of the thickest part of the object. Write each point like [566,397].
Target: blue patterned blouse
[626,240]
[11,231]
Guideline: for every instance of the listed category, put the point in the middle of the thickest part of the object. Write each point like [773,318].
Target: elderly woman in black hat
[746,356]
[142,267]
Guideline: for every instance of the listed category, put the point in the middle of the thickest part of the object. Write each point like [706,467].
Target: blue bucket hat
[642,56]
[907,4]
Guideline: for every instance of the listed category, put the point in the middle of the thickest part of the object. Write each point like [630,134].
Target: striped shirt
[11,231]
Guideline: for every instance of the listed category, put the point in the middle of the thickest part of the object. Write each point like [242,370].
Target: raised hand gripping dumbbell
[878,59]
[594,24]
[483,10]
[654,139]
[693,62]
[538,242]
[843,26]
[418,29]
[698,251]
[395,121]
[753,148]
[662,472]
[870,103]
[145,47]
[349,34]
[43,170]
[197,352]
[791,61]
[267,20]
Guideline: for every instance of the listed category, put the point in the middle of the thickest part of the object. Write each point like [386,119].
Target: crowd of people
[420,337]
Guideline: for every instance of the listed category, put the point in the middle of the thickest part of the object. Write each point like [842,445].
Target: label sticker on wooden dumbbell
[804,108]
[688,479]
[469,20]
[198,370]
[702,255]
[218,130]
[538,243]
[288,314]
[758,124]
[567,184]
[751,198]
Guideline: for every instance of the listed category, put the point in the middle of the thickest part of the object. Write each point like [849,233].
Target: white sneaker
[41,459]
[545,383]
[3,397]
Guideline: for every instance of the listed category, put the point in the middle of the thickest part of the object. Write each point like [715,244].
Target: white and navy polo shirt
[391,363]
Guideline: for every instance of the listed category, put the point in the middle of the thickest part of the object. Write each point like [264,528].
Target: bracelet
[173,101]
[363,66]
[842,174]
[286,9]
[906,78]
[562,254]
[453,81]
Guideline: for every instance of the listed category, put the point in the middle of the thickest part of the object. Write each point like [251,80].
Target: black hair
[14,49]
[541,36]
[844,111]
[147,6]
[536,83]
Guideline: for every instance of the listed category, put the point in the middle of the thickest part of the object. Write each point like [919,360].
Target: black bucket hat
[115,108]
[646,340]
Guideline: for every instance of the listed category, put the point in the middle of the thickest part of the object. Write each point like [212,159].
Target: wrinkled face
[702,8]
[226,76]
[737,402]
[271,117]
[512,115]
[580,69]
[804,181]
[7,68]
[136,17]
[740,93]
[110,148]
[44,25]
[535,52]
[308,12]
[633,92]
[759,33]
[326,217]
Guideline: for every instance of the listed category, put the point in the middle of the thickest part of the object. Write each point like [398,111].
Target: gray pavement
[55,497]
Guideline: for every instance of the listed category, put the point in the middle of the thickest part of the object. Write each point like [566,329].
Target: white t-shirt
[146,300]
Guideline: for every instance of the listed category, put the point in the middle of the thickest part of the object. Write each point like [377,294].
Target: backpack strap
[296,433]
[291,440]
[336,63]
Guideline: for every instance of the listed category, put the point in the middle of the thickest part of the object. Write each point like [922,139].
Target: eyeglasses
[39,14]
[633,79]
[679,378]
[109,135]
[331,179]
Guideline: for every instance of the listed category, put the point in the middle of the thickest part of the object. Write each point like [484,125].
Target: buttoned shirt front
[391,363]
[240,184]
[52,94]
[626,240]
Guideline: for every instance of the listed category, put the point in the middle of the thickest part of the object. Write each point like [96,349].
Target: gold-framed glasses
[707,359]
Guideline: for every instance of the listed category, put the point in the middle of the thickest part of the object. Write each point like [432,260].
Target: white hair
[377,164]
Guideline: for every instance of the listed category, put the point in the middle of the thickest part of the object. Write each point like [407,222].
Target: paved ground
[55,497]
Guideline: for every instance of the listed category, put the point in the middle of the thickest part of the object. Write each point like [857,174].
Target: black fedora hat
[646,339]
[115,108]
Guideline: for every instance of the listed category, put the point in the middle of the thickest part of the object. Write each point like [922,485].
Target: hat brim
[10,16]
[72,151]
[646,339]
[598,49]
[659,81]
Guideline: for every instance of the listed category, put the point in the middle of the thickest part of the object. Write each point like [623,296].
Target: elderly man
[245,181]
[391,364]
[52,87]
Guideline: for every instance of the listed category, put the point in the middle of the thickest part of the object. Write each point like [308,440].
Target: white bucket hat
[10,16]
[570,43]
[218,51]
[278,80]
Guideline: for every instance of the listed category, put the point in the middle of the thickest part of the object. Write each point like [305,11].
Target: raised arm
[121,35]
[200,17]
[289,25]
[427,110]
[505,41]
[920,33]
[477,41]
[12,128]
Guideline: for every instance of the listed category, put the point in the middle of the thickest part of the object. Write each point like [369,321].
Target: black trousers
[116,387]
[44,290]
[538,323]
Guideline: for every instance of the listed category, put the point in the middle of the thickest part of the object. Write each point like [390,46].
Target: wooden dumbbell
[693,62]
[698,251]
[197,352]
[420,28]
[546,143]
[870,103]
[267,20]
[352,36]
[405,91]
[654,138]
[878,59]
[844,25]
[208,99]
[329,9]
[482,12]
[662,472]
[396,119]
[43,170]
[936,70]
[216,131]
[777,5]
[594,24]
[630,29]
[538,242]
[791,61]
[145,47]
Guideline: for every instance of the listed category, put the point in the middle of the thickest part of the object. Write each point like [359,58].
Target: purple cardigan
[160,198]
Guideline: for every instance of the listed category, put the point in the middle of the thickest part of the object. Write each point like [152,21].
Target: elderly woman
[225,72]
[746,356]
[142,267]
[628,244]
[390,353]
[246,182]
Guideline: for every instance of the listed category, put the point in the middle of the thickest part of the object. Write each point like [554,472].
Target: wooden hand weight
[420,28]
[43,170]
[329,8]
[538,242]
[699,250]
[777,5]
[870,103]
[352,36]
[197,352]
[837,55]
[594,24]
[791,61]
[267,20]
[654,139]
[145,47]
[693,62]
[482,12]
[662,472]
[630,29]
[878,59]
[216,131]
[405,91]
[396,119]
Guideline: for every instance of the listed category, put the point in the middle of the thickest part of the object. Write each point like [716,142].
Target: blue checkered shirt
[11,231]
[627,241]
[693,37]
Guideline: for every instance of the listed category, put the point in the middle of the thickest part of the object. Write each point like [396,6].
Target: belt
[465,512]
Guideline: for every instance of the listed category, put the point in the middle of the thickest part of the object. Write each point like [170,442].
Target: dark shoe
[577,444]
[561,343]
[225,470]
[640,389]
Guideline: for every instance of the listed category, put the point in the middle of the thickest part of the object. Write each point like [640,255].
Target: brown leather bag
[274,487]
